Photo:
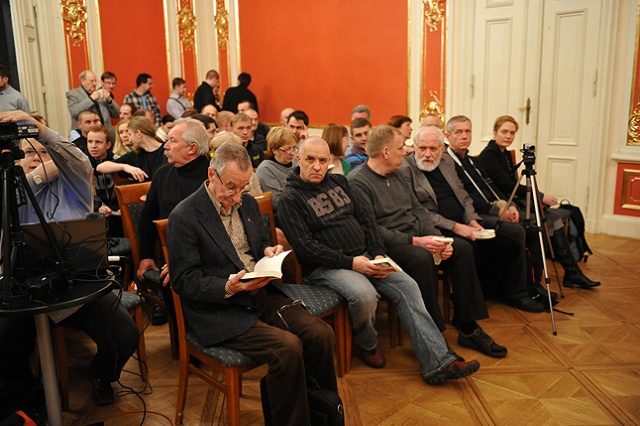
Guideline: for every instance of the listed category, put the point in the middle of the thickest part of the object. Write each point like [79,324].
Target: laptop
[82,242]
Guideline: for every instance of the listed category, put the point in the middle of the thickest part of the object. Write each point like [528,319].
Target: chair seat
[319,300]
[225,356]
[128,300]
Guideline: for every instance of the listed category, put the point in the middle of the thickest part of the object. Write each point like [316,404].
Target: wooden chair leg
[348,340]
[62,368]
[142,349]
[232,383]
[183,381]
[338,331]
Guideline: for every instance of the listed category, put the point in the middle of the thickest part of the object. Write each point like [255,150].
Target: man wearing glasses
[214,237]
[60,176]
[57,171]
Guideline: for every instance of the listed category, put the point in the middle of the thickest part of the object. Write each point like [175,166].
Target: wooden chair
[228,364]
[129,198]
[322,302]
[133,304]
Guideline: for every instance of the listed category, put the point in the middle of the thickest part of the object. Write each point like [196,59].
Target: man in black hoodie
[335,239]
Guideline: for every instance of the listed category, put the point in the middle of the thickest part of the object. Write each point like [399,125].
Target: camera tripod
[14,184]
[533,193]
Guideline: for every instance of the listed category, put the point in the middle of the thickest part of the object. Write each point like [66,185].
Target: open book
[266,267]
[388,264]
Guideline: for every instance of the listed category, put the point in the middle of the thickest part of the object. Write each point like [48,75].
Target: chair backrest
[291,269]
[130,209]
[161,226]
[266,208]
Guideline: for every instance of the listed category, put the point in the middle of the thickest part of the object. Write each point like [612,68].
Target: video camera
[12,131]
[528,155]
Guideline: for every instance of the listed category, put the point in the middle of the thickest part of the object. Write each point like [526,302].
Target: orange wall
[325,57]
[133,42]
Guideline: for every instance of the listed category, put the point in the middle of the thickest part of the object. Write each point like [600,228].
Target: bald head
[313,159]
[88,80]
[284,115]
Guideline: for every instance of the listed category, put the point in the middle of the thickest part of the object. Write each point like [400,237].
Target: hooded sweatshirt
[324,224]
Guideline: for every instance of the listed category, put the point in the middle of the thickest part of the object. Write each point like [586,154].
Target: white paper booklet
[266,267]
[388,264]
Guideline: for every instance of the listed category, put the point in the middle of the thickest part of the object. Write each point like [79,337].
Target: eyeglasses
[31,152]
[232,191]
[288,150]
[291,305]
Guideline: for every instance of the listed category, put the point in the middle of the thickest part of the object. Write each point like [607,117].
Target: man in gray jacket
[86,97]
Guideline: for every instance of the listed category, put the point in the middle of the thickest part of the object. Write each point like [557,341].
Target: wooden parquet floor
[588,374]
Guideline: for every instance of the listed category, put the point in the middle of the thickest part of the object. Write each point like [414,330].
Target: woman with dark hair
[337,136]
[273,172]
[403,123]
[147,155]
[497,163]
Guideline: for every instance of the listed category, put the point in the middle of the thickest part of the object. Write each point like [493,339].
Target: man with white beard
[501,261]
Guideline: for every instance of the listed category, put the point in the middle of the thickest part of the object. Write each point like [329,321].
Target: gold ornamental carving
[74,14]
[222,24]
[433,106]
[433,13]
[187,26]
[633,135]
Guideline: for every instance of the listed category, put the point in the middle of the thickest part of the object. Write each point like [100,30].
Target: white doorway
[536,61]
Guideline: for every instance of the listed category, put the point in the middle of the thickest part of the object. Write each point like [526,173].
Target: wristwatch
[37,179]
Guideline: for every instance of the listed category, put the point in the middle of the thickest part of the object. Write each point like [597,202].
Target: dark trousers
[468,300]
[304,348]
[501,262]
[113,330]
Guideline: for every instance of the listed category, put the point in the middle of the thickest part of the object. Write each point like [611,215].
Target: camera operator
[60,176]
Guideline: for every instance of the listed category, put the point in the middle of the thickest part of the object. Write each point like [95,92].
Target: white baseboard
[621,226]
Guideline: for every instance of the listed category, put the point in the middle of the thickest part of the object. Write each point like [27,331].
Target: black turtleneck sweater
[170,185]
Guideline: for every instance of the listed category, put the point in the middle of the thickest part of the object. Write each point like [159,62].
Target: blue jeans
[361,294]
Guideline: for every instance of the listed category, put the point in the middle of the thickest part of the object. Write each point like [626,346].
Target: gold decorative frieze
[633,134]
[222,24]
[74,14]
[433,13]
[187,26]
[433,106]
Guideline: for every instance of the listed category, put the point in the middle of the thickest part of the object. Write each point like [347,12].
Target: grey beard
[428,166]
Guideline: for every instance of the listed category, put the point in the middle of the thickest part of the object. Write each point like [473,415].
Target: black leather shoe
[526,304]
[159,316]
[538,290]
[573,277]
[482,342]
[102,392]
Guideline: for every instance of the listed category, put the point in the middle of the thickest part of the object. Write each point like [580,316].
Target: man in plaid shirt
[142,98]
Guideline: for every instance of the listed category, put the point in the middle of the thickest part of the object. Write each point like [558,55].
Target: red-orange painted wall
[325,57]
[133,42]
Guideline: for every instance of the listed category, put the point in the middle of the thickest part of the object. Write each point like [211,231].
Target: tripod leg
[536,198]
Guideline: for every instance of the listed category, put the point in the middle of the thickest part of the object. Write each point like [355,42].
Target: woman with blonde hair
[273,172]
[337,136]
[147,155]
[122,144]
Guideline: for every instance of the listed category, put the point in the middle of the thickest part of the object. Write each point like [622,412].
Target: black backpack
[325,406]
[579,247]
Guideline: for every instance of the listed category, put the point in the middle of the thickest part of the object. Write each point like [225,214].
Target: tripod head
[528,158]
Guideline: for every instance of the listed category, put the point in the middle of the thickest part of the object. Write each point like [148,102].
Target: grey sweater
[273,177]
[399,214]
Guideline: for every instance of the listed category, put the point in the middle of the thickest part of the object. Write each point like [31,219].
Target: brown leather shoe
[374,358]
